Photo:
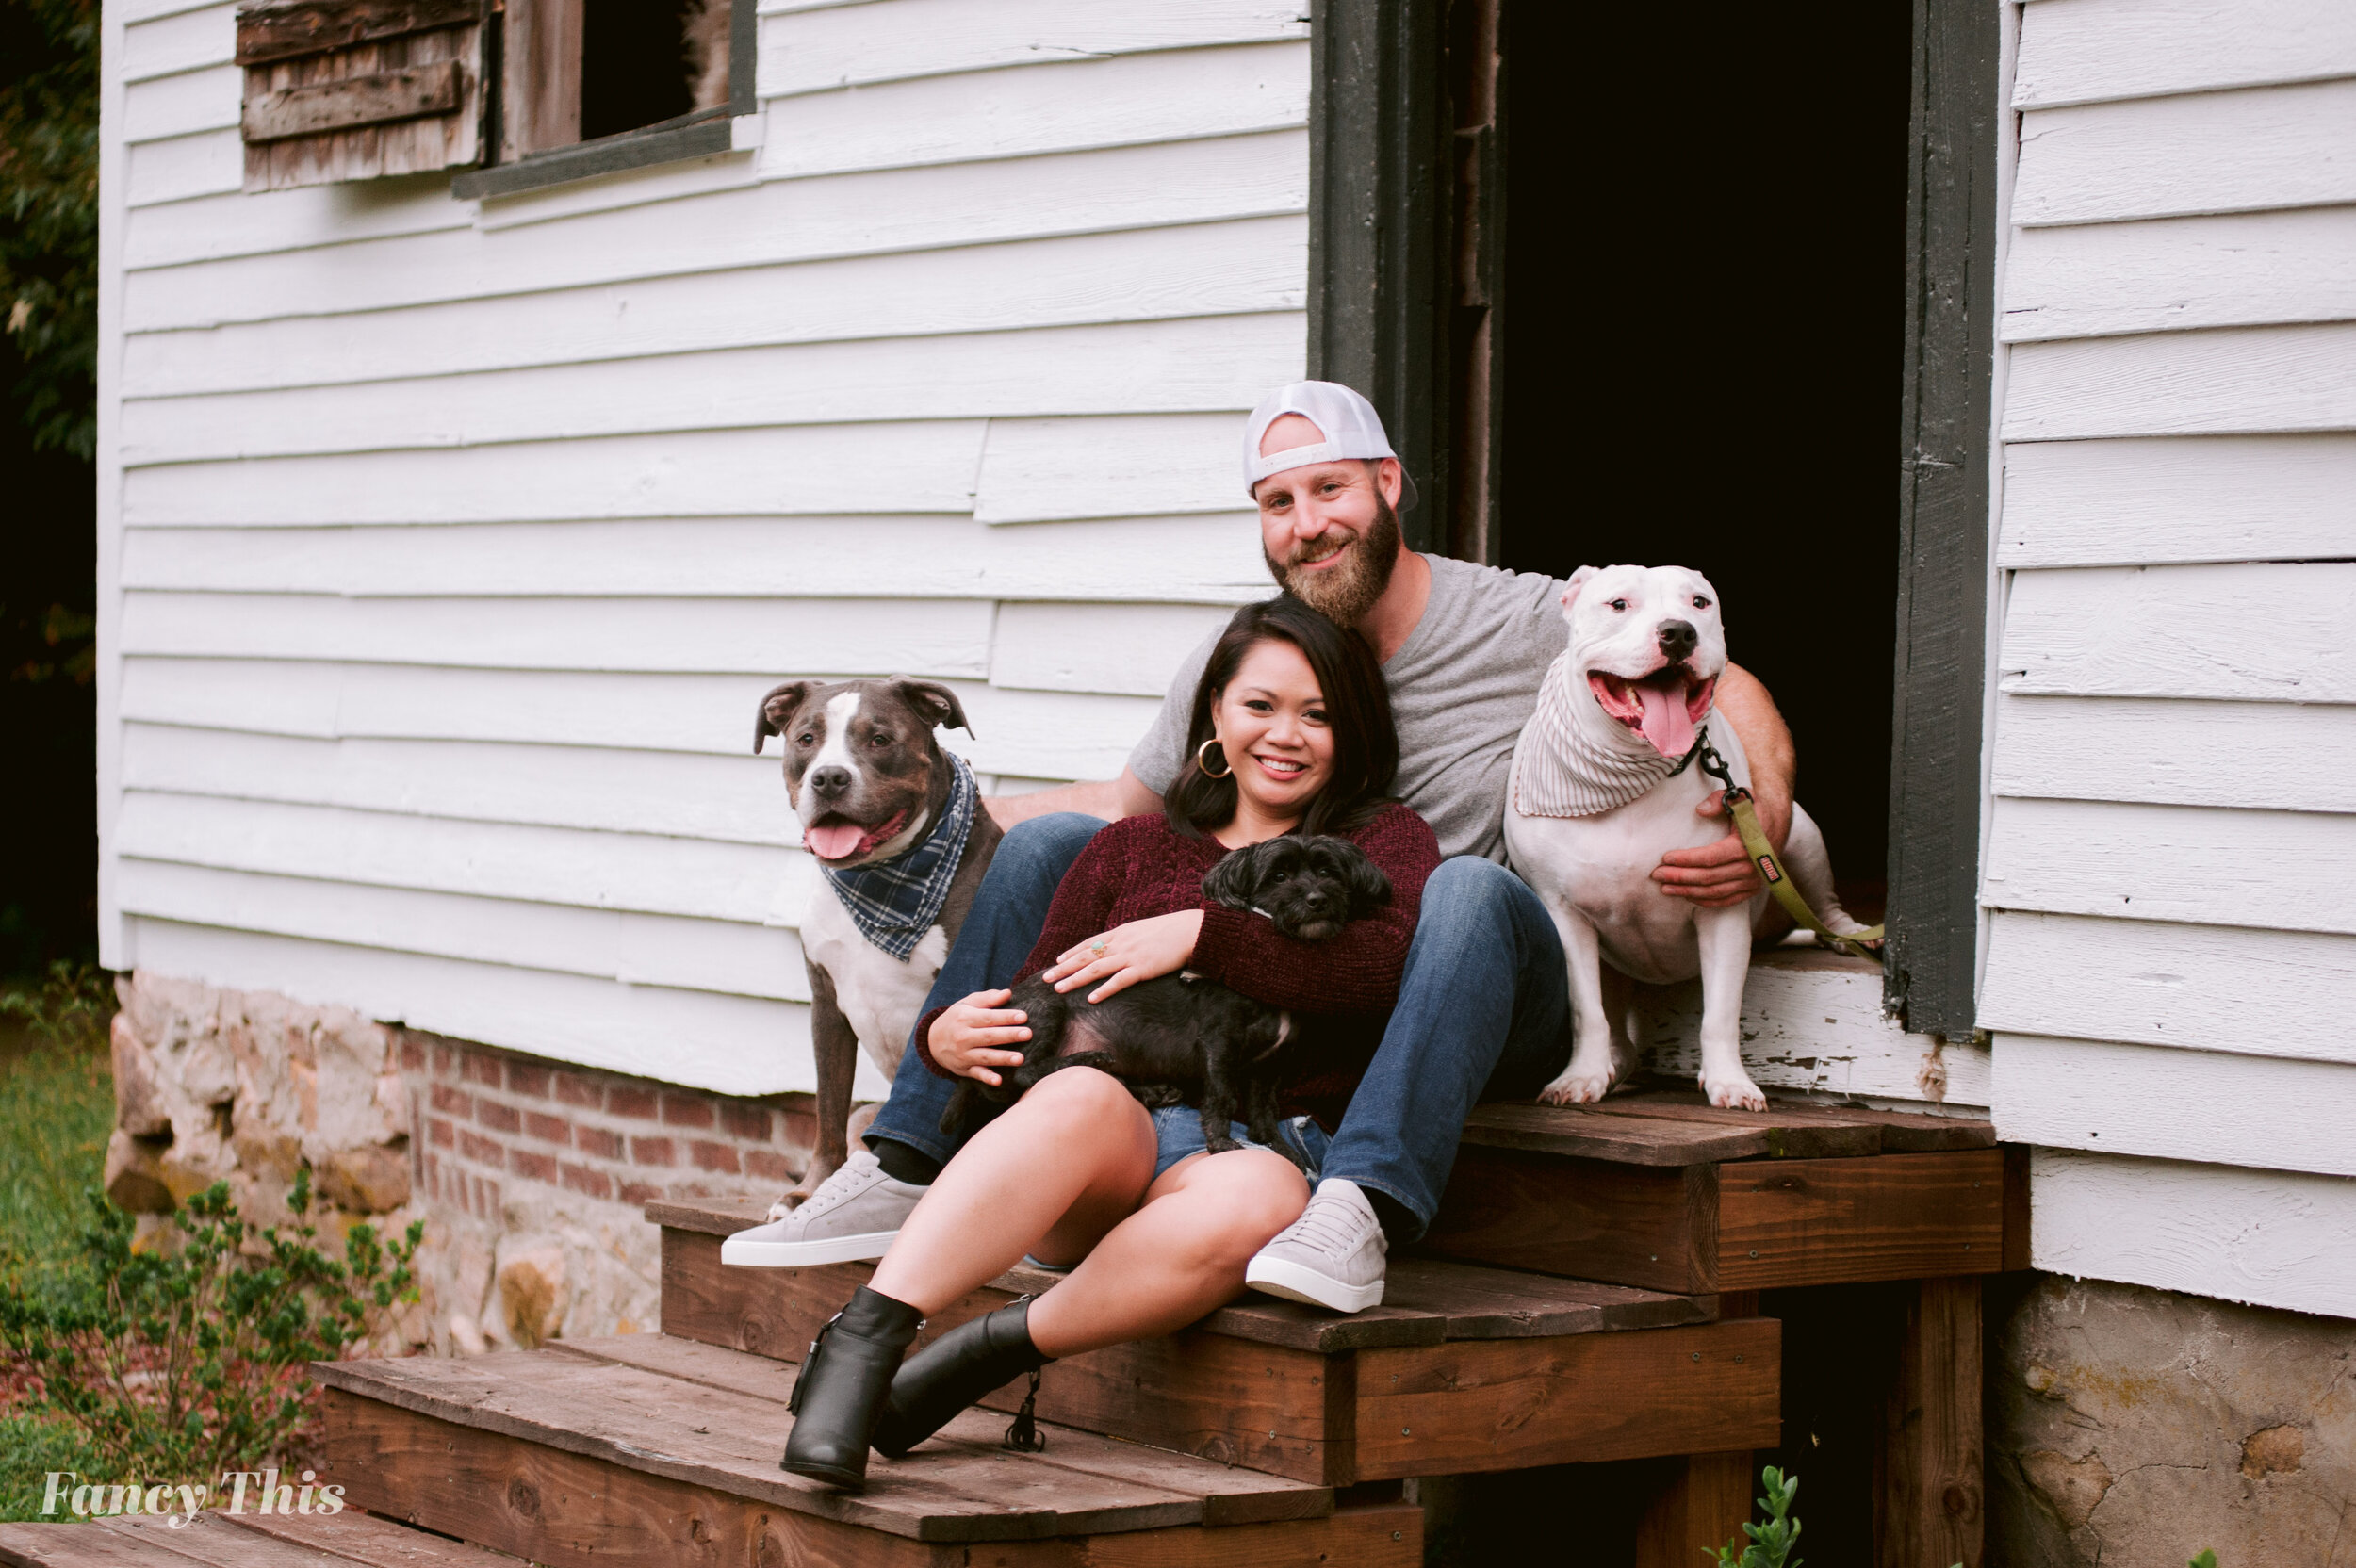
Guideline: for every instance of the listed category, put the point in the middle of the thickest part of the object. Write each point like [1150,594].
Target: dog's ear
[1570,589]
[1235,881]
[776,708]
[1365,881]
[933,702]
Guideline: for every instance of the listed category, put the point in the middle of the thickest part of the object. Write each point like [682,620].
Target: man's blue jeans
[1479,1016]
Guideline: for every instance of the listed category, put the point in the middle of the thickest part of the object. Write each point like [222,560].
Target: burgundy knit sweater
[1140,866]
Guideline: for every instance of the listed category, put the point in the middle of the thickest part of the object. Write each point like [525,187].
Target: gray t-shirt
[1463,685]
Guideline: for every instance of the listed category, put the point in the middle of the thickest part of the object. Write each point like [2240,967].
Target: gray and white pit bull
[867,781]
[1620,709]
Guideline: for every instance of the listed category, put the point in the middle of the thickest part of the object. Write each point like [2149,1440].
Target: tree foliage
[49,216]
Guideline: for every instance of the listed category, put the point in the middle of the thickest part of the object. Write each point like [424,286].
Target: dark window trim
[691,136]
[1381,196]
[1378,243]
[1932,964]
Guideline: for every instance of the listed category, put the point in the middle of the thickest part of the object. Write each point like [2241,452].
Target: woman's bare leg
[1173,1260]
[1060,1167]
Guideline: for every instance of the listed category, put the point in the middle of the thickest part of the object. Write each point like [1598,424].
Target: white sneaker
[851,1218]
[1332,1256]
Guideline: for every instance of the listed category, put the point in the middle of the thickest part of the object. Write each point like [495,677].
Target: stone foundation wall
[529,1175]
[2130,1427]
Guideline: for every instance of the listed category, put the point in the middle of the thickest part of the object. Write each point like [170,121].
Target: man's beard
[1346,590]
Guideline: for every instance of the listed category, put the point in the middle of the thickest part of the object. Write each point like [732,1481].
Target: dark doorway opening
[1698,320]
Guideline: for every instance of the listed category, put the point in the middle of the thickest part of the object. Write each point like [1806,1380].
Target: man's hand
[1721,874]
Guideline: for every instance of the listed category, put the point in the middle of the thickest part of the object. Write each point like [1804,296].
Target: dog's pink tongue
[1666,724]
[832,841]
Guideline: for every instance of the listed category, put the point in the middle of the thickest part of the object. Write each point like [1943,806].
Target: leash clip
[1713,764]
[1022,1434]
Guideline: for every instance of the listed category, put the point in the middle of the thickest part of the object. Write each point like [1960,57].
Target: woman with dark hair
[1292,733]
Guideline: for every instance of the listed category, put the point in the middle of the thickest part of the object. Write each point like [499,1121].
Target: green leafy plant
[1770,1543]
[186,1358]
[2206,1559]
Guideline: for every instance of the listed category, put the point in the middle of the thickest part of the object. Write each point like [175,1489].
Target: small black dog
[1181,1040]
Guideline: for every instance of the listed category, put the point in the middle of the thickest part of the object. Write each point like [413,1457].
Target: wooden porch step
[646,1449]
[221,1540]
[1661,1191]
[1461,1369]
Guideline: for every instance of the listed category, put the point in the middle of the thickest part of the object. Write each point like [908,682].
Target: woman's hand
[1141,950]
[971,1037]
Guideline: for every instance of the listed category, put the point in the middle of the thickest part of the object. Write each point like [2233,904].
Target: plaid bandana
[893,903]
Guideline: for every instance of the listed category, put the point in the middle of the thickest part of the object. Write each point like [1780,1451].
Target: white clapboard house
[495,400]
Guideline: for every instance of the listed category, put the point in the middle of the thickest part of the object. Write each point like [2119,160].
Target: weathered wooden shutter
[352,90]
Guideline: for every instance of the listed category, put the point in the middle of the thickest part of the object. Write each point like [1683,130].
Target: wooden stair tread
[218,1540]
[723,1431]
[1575,1132]
[1901,1131]
[1677,1127]
[1426,1301]
[1229,1495]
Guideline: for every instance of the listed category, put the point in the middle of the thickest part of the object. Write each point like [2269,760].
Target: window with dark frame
[516,93]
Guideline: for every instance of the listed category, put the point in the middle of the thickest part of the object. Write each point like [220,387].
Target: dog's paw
[1581,1085]
[1732,1091]
[1221,1146]
[788,1203]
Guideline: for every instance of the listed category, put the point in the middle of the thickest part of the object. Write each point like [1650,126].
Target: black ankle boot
[846,1378]
[952,1372]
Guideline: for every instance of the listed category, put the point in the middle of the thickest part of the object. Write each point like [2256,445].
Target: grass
[57,1107]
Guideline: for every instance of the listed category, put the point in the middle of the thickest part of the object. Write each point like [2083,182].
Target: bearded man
[1482,1004]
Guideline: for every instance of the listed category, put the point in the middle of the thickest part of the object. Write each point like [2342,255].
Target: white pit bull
[1604,782]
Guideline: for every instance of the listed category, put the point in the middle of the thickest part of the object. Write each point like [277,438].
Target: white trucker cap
[1352,427]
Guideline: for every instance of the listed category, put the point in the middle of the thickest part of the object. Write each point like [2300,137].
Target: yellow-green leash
[1858,944]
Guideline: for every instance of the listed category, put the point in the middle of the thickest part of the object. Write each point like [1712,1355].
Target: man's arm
[1721,874]
[1108,798]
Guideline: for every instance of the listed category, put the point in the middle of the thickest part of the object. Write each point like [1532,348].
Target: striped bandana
[1560,769]
[894,902]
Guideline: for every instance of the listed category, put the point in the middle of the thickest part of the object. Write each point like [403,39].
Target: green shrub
[186,1358]
[1770,1543]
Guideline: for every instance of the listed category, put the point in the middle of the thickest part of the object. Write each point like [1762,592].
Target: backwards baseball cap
[1350,426]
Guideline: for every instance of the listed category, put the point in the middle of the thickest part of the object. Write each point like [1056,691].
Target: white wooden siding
[448,545]
[2268,1236]
[2171,953]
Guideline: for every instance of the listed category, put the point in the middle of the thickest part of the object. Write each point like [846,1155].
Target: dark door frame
[1402,155]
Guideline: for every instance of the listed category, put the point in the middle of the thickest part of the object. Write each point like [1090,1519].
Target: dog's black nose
[1677,639]
[1316,902]
[829,782]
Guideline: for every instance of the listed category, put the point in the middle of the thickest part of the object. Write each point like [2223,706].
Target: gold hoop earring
[1199,762]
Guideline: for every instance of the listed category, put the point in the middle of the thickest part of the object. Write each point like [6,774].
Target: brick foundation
[492,1118]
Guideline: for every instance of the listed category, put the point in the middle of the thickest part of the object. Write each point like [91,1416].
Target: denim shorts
[1178,1133]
